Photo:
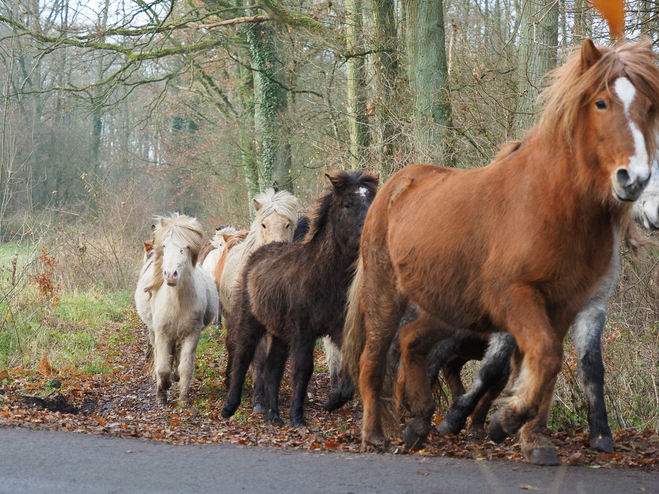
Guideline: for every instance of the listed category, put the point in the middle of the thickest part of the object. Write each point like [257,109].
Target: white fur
[176,314]
[638,162]
[210,263]
[363,191]
[646,208]
[278,212]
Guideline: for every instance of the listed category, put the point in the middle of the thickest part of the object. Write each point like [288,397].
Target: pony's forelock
[184,230]
[340,180]
[570,86]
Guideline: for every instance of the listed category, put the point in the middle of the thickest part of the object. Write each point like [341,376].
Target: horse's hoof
[228,411]
[298,421]
[477,431]
[602,443]
[543,455]
[412,439]
[175,377]
[445,428]
[185,401]
[334,402]
[374,444]
[496,432]
[258,409]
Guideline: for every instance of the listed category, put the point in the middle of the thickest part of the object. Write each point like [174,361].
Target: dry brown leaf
[4,374]
[44,368]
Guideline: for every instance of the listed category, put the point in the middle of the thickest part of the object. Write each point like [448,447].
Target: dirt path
[122,403]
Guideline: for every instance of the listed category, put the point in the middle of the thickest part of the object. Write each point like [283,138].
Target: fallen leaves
[122,403]
[45,368]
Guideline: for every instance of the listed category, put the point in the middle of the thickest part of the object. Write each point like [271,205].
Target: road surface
[59,462]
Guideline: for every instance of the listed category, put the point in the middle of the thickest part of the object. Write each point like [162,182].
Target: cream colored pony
[276,220]
[213,257]
[176,299]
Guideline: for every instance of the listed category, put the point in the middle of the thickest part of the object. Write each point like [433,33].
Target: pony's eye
[347,205]
[600,104]
[288,225]
[263,225]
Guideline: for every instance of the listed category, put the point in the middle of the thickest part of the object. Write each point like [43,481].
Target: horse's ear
[338,179]
[257,204]
[227,237]
[590,55]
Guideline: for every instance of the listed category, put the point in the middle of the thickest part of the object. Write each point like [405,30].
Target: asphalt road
[58,462]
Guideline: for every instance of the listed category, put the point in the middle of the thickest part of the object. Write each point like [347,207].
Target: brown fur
[516,246]
[205,250]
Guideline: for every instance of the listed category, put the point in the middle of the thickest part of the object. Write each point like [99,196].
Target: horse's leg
[258,400]
[587,335]
[438,357]
[382,313]
[275,364]
[333,360]
[494,371]
[302,371]
[243,349]
[163,348]
[416,340]
[541,346]
[187,352]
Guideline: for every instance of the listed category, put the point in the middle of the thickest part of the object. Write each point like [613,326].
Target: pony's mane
[236,238]
[217,238]
[571,87]
[340,180]
[282,202]
[184,230]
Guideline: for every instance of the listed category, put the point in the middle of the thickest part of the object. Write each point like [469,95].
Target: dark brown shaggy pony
[516,246]
[296,293]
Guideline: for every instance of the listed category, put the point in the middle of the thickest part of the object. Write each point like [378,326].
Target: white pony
[176,299]
[276,220]
[213,257]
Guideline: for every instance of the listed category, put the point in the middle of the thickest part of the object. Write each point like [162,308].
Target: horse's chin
[171,283]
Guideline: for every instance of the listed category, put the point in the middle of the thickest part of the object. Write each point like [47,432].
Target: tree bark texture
[536,56]
[356,98]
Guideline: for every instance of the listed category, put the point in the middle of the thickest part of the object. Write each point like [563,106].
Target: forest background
[113,111]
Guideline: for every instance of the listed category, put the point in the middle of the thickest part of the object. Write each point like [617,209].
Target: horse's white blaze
[638,162]
[363,191]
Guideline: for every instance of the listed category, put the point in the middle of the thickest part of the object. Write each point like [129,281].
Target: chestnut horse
[517,246]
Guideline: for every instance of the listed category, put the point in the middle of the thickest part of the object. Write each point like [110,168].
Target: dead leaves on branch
[122,403]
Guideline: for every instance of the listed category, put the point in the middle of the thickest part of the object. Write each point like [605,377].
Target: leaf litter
[122,403]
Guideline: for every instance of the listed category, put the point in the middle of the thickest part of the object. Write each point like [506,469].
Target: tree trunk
[536,56]
[355,84]
[386,77]
[428,75]
[270,107]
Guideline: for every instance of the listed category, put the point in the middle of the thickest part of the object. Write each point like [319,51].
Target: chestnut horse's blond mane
[570,88]
[184,230]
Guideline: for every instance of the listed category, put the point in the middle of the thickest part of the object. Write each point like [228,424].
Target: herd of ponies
[438,267]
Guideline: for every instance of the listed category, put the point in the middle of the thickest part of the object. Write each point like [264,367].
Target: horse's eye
[288,225]
[347,205]
[600,104]
[263,225]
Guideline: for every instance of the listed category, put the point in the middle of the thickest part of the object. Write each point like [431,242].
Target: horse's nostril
[623,178]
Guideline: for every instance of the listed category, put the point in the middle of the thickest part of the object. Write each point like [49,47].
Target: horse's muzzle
[626,187]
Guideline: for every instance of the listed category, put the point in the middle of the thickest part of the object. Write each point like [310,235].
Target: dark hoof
[445,428]
[412,439]
[258,409]
[275,419]
[543,455]
[175,377]
[602,443]
[477,432]
[334,402]
[496,432]
[161,397]
[298,422]
[228,411]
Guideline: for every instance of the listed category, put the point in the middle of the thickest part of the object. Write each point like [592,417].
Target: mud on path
[122,403]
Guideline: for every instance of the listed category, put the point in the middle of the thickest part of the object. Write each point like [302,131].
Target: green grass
[67,329]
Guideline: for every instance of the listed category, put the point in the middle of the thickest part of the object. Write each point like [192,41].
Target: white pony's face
[276,228]
[646,208]
[176,259]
